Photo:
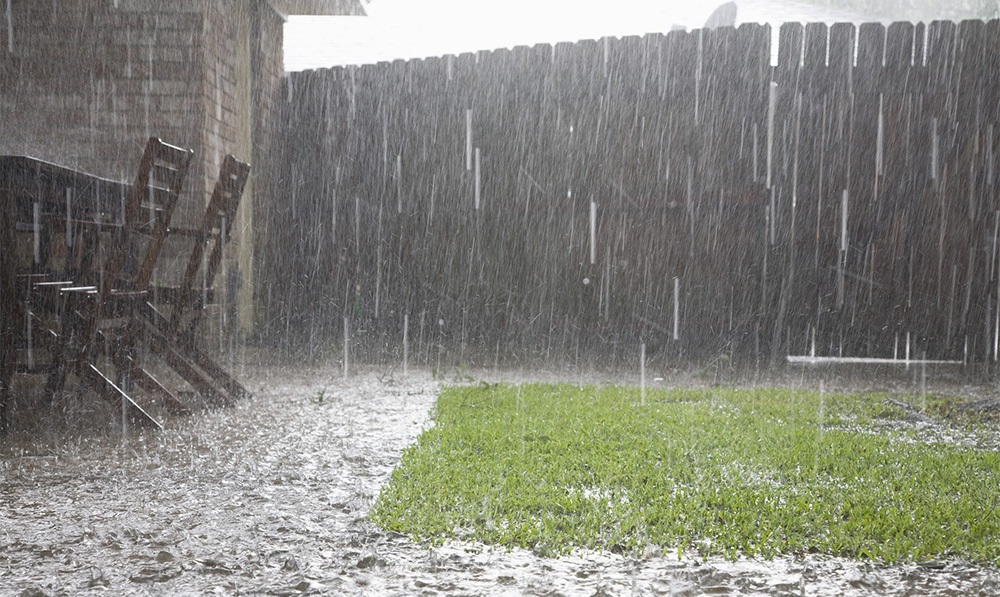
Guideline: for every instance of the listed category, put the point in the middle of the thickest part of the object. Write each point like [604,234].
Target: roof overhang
[318,7]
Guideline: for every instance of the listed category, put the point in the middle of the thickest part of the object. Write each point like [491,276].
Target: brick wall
[268,65]
[218,98]
[84,83]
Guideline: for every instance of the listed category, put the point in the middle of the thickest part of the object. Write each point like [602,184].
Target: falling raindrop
[37,235]
[378,264]
[907,351]
[677,307]
[935,144]
[69,223]
[10,28]
[593,235]
[468,139]
[923,382]
[642,373]
[478,179]
[124,402]
[347,343]
[990,159]
[399,183]
[772,216]
[756,154]
[697,74]
[406,342]
[821,416]
[879,142]
[128,52]
[772,101]
[29,335]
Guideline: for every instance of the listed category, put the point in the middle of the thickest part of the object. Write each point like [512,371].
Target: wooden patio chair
[105,308]
[174,332]
[47,201]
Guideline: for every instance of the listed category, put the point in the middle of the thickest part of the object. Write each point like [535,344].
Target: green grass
[719,471]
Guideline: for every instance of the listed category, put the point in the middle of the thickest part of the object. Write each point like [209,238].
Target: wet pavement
[270,498]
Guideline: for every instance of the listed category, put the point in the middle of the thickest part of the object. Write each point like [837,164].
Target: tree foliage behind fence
[842,201]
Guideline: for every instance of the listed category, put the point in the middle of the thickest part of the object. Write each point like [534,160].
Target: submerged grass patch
[723,471]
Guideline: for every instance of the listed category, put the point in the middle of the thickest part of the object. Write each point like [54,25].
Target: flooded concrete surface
[270,498]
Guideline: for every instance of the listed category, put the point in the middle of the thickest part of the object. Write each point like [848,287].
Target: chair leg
[149,383]
[70,348]
[6,377]
[123,351]
[113,394]
[179,363]
[7,361]
[216,372]
[130,373]
[55,382]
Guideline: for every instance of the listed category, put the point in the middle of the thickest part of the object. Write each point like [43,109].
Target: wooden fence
[674,189]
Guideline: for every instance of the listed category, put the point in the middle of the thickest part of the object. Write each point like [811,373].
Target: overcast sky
[415,29]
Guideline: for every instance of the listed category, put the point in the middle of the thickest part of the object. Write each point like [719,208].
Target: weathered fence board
[546,198]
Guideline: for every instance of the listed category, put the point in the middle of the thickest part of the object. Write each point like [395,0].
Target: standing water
[271,497]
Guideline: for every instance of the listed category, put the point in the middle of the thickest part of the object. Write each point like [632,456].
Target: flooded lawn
[271,497]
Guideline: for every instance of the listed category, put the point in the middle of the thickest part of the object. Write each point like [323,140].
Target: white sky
[420,28]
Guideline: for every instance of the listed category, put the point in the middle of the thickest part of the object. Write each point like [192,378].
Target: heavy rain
[232,289]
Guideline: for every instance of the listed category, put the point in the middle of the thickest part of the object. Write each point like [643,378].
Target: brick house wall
[267,62]
[84,83]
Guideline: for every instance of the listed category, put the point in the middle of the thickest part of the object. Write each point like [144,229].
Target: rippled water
[270,497]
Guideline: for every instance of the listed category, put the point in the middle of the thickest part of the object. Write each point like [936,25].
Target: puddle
[270,497]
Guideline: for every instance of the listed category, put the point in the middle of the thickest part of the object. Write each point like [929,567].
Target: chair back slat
[215,227]
[158,185]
